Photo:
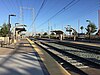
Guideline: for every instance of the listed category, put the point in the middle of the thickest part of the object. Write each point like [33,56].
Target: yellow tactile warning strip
[26,44]
[52,66]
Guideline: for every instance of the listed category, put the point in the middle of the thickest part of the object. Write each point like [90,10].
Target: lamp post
[90,31]
[15,29]
[9,25]
[69,30]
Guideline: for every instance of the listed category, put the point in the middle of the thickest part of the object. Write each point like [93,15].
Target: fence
[4,39]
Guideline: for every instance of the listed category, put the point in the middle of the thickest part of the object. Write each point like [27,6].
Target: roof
[20,29]
[58,31]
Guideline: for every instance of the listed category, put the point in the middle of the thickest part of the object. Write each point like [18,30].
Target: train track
[83,52]
[88,48]
[91,49]
[79,52]
[75,64]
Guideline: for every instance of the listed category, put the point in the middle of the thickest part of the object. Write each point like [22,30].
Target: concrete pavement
[22,60]
[51,64]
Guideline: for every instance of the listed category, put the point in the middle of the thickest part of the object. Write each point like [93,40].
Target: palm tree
[91,28]
[81,29]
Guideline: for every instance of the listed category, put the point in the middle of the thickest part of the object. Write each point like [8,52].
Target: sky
[74,14]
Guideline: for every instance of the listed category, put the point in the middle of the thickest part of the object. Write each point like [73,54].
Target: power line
[21,2]
[6,6]
[42,5]
[64,8]
[87,12]
[12,7]
[51,8]
[18,6]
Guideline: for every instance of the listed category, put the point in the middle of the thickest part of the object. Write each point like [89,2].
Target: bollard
[1,44]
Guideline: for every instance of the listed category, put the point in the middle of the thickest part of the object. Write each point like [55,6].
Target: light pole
[90,31]
[69,30]
[9,25]
[15,29]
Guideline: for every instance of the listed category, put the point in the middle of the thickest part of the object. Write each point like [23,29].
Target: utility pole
[62,27]
[99,22]
[22,15]
[78,26]
[49,29]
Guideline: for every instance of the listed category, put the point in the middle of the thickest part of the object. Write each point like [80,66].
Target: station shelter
[59,34]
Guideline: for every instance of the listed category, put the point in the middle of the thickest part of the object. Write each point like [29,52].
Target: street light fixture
[88,21]
[9,18]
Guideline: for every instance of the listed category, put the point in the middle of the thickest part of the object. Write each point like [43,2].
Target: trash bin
[1,43]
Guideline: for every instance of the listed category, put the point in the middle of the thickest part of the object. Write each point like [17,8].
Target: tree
[98,32]
[91,28]
[52,33]
[4,30]
[38,34]
[45,33]
[81,29]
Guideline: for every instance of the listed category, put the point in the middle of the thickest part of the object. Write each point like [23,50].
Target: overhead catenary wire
[42,5]
[19,5]
[6,6]
[85,14]
[66,7]
[89,11]
[63,10]
[14,5]
[9,9]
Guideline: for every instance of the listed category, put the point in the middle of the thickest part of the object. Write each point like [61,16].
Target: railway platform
[27,59]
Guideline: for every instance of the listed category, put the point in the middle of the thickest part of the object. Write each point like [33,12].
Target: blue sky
[84,9]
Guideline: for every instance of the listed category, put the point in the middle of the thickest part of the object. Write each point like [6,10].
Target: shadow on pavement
[25,63]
